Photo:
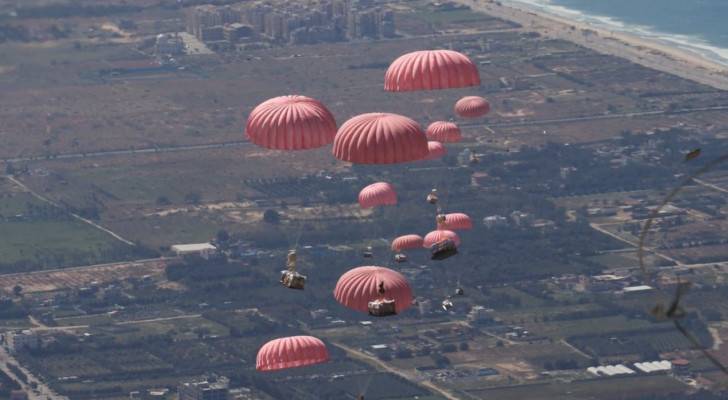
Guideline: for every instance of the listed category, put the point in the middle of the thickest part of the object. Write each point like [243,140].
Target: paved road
[44,392]
[143,150]
[86,267]
[709,185]
[135,322]
[635,244]
[595,117]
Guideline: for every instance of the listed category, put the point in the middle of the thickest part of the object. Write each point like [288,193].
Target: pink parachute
[472,107]
[456,221]
[380,138]
[438,236]
[429,70]
[357,287]
[291,123]
[407,242]
[378,194]
[444,132]
[436,150]
[291,352]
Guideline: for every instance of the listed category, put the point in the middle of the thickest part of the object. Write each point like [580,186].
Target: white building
[495,220]
[169,44]
[204,250]
[654,366]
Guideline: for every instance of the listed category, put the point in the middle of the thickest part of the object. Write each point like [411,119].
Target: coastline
[651,53]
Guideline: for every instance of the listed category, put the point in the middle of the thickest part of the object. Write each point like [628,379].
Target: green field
[36,235]
[48,244]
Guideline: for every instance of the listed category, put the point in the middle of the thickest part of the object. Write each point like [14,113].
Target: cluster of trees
[560,364]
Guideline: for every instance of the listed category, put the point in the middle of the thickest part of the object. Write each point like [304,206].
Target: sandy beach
[647,52]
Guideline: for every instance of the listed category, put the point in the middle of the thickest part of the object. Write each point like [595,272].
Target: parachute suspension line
[646,275]
[362,384]
[646,228]
[299,233]
[384,257]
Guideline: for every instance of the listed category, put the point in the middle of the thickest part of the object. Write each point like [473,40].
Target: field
[37,235]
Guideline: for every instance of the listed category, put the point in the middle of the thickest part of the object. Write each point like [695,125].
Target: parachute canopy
[436,150]
[291,352]
[440,235]
[357,287]
[429,70]
[444,132]
[472,107]
[407,242]
[291,123]
[456,221]
[380,138]
[377,194]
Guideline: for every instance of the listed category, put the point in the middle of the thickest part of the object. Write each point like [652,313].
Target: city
[143,235]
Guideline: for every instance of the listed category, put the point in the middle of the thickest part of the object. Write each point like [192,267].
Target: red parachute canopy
[444,132]
[436,149]
[291,352]
[378,194]
[472,107]
[357,287]
[407,242]
[380,138]
[438,236]
[291,123]
[456,221]
[429,70]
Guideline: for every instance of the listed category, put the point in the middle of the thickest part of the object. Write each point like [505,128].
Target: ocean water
[697,25]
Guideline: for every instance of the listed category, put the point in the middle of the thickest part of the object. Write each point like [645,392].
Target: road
[595,117]
[244,143]
[709,185]
[382,365]
[135,322]
[76,216]
[44,392]
[597,227]
[121,152]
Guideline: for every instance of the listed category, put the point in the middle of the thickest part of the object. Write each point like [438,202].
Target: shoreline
[651,53]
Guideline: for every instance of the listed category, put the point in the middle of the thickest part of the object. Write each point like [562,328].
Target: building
[169,44]
[637,289]
[611,370]
[19,341]
[654,366]
[480,314]
[236,32]
[210,388]
[204,250]
[206,16]
[424,306]
[521,218]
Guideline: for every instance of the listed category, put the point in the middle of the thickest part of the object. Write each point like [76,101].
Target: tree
[193,198]
[464,346]
[17,290]
[222,236]
[271,216]
[163,201]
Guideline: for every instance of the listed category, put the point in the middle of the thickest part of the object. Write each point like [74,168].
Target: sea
[700,26]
